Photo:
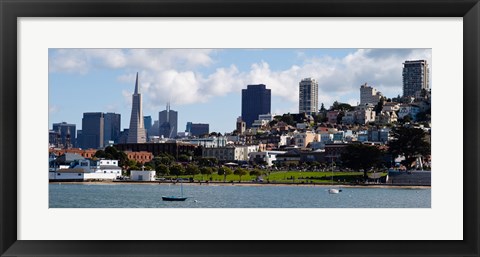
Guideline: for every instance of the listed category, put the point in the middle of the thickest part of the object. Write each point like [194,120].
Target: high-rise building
[168,122]
[308,96]
[66,133]
[136,132]
[147,122]
[92,130]
[256,100]
[197,129]
[369,95]
[415,77]
[111,127]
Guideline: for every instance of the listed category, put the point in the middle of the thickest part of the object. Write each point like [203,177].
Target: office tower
[256,100]
[369,95]
[136,132]
[111,128]
[168,120]
[66,133]
[308,96]
[197,129]
[92,130]
[147,122]
[415,77]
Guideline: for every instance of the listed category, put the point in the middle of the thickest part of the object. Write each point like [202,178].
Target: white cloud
[53,109]
[176,75]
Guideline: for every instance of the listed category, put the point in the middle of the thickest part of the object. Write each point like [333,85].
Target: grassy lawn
[290,177]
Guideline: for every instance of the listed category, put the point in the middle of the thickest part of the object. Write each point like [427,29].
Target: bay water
[65,195]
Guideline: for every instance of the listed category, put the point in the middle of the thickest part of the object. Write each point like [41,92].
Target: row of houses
[365,114]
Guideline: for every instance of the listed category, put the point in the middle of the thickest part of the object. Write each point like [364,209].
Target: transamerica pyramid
[136,133]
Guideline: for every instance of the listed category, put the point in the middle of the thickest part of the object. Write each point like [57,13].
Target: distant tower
[136,133]
[168,122]
[415,77]
[68,143]
[369,95]
[241,126]
[308,96]
[61,128]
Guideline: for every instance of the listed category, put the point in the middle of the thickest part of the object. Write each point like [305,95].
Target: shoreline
[242,184]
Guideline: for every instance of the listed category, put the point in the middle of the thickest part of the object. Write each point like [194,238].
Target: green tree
[240,172]
[322,108]
[409,142]
[192,169]
[205,171]
[273,123]
[162,170]
[288,118]
[256,173]
[359,156]
[184,158]
[111,153]
[131,165]
[177,170]
[341,107]
[378,108]
[340,117]
[208,162]
[225,171]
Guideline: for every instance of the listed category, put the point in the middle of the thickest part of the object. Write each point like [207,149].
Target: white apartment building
[230,153]
[268,157]
[308,96]
[369,95]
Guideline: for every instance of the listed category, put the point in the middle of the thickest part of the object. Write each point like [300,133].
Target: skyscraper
[308,96]
[92,130]
[147,122]
[256,100]
[168,122]
[136,132]
[111,127]
[66,132]
[415,77]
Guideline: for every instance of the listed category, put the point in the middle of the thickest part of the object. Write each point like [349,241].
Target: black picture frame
[10,10]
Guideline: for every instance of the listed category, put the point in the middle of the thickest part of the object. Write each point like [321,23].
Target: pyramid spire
[136,134]
[136,85]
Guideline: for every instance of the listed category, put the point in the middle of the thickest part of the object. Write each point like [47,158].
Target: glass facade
[256,100]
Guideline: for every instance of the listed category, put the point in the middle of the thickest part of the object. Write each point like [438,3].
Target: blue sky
[204,85]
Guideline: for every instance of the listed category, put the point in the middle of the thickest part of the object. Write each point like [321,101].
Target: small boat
[334,190]
[175,198]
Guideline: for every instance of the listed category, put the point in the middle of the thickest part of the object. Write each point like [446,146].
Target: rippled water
[217,196]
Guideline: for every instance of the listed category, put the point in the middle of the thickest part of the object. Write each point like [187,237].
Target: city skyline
[204,85]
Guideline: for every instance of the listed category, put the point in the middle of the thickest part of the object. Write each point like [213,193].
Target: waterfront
[97,195]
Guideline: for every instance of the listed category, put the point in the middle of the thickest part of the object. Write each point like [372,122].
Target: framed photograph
[310,179]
